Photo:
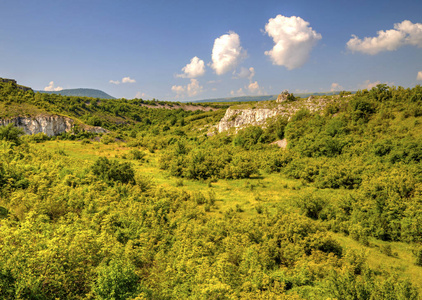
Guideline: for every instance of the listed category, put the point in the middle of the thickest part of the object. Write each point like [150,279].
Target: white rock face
[241,118]
[51,125]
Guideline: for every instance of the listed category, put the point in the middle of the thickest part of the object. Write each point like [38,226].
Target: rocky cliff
[50,125]
[242,117]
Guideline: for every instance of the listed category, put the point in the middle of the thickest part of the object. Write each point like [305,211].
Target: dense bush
[11,133]
[112,170]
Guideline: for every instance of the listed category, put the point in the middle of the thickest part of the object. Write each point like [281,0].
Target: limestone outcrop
[240,118]
[50,125]
[243,117]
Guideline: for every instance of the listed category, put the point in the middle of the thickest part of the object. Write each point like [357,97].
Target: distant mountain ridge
[263,98]
[82,92]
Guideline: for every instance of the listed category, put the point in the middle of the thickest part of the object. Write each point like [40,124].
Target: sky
[190,50]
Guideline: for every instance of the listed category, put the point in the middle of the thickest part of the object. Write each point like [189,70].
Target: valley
[156,207]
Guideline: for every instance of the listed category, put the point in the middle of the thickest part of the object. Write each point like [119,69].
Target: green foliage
[116,280]
[112,170]
[85,226]
[136,154]
[11,133]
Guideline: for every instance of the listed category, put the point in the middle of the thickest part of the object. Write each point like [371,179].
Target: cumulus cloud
[293,39]
[192,89]
[254,88]
[114,82]
[195,68]
[336,87]
[51,87]
[419,76]
[226,53]
[128,80]
[404,33]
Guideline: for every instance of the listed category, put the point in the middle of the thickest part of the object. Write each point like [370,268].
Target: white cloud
[192,89]
[226,53]
[124,80]
[239,92]
[128,80]
[336,87]
[195,68]
[419,76]
[246,73]
[254,88]
[369,85]
[293,39]
[51,87]
[178,89]
[404,33]
[140,95]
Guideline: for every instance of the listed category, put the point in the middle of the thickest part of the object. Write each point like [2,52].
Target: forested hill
[92,93]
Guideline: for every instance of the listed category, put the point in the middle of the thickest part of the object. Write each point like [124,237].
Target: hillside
[158,208]
[112,114]
[92,93]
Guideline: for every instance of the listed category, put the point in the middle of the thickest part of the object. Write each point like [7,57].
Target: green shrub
[11,133]
[112,170]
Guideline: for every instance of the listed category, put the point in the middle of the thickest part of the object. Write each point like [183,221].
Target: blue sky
[188,50]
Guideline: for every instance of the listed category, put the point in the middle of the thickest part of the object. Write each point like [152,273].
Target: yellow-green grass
[10,110]
[401,262]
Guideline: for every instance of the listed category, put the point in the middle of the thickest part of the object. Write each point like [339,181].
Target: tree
[11,133]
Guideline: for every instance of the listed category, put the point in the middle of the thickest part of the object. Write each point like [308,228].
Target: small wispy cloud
[254,88]
[369,85]
[140,95]
[124,80]
[245,73]
[128,80]
[239,92]
[192,89]
[419,76]
[336,87]
[51,87]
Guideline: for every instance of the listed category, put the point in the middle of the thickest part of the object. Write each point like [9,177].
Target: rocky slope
[239,118]
[50,125]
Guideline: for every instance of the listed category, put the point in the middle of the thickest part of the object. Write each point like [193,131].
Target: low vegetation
[160,210]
